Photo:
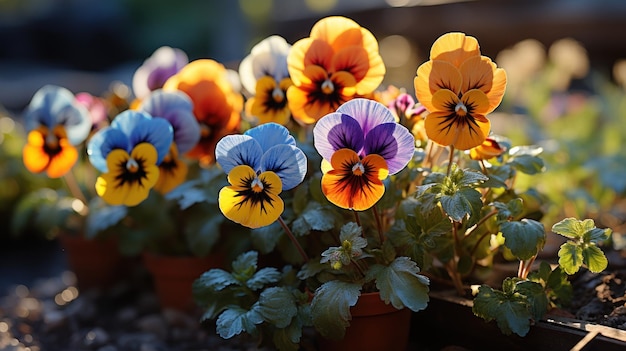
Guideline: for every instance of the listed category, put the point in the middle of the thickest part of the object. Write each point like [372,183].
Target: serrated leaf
[214,279]
[246,263]
[461,203]
[471,178]
[300,227]
[524,238]
[597,235]
[231,322]
[594,259]
[262,277]
[509,311]
[277,306]
[330,307]
[318,217]
[570,257]
[400,284]
[573,228]
[536,296]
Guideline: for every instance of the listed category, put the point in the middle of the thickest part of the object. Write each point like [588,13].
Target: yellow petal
[481,73]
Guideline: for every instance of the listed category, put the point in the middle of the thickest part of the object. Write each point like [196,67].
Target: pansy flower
[56,123]
[217,105]
[337,62]
[361,145]
[490,148]
[128,153]
[260,164]
[264,74]
[157,69]
[177,108]
[97,109]
[459,87]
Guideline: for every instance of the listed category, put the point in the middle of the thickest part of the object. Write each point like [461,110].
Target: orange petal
[62,162]
[476,101]
[481,73]
[454,48]
[307,52]
[368,70]
[445,101]
[433,76]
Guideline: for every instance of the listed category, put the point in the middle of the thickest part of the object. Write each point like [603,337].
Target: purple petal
[368,113]
[393,142]
[177,108]
[337,131]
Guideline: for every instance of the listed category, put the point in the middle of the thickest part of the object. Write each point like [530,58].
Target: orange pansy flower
[216,104]
[337,62]
[459,87]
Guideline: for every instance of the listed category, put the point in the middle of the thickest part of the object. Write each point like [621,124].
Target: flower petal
[455,48]
[337,131]
[172,172]
[433,76]
[271,134]
[368,113]
[393,142]
[481,73]
[176,108]
[142,128]
[345,189]
[62,162]
[286,161]
[102,143]
[236,150]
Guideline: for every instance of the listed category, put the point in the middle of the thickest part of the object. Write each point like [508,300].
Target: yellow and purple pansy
[176,107]
[260,164]
[56,123]
[128,153]
[265,76]
[361,144]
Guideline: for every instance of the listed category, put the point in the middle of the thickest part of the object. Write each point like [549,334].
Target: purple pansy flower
[156,69]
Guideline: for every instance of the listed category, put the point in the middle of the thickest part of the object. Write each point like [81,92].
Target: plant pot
[374,326]
[449,322]
[97,263]
[173,277]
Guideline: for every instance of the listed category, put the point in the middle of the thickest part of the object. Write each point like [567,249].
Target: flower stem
[356,218]
[450,160]
[293,239]
[73,187]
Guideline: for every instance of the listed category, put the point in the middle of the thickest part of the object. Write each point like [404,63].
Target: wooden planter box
[449,321]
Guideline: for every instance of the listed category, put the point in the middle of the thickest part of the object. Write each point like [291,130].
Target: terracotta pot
[374,326]
[173,277]
[97,263]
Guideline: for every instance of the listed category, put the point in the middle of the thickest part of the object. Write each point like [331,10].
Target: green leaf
[318,217]
[266,238]
[461,203]
[400,284]
[558,285]
[262,277]
[245,265]
[510,311]
[234,320]
[524,238]
[536,297]
[330,307]
[300,227]
[102,217]
[597,235]
[573,228]
[277,306]
[527,164]
[594,259]
[471,177]
[202,232]
[570,257]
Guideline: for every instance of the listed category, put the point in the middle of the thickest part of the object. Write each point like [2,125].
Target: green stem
[293,239]
[356,218]
[450,160]
[482,220]
[358,267]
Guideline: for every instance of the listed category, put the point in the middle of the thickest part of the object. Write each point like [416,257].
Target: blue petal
[393,142]
[103,142]
[53,105]
[288,162]
[237,150]
[177,108]
[128,120]
[270,134]
[337,131]
[368,113]
[156,131]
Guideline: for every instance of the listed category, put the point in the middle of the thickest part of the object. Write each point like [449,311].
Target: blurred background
[565,61]
[85,44]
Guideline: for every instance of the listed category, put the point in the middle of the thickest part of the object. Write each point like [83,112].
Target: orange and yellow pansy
[458,87]
[337,62]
